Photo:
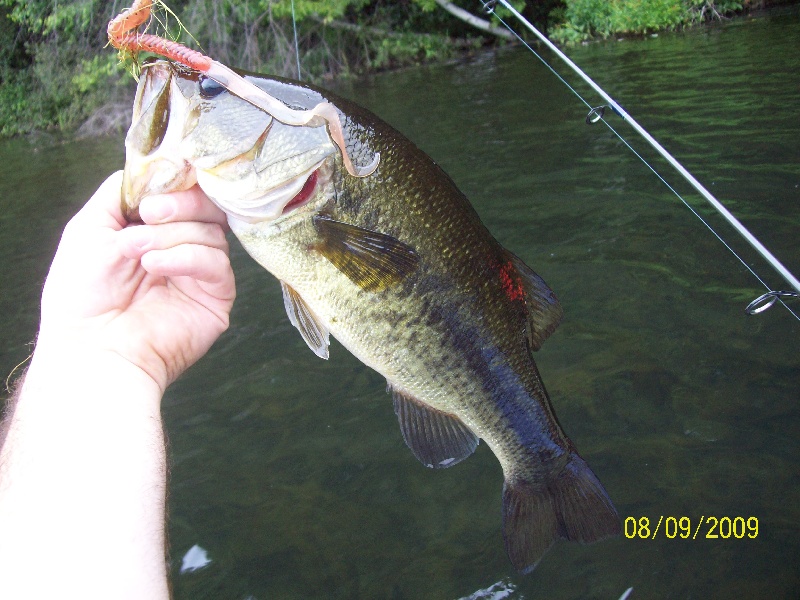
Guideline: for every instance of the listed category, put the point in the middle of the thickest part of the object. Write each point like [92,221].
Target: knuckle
[220,237]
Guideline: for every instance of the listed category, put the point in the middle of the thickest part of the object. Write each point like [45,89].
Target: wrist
[75,367]
[96,358]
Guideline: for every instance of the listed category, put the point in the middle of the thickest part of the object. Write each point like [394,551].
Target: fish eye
[210,88]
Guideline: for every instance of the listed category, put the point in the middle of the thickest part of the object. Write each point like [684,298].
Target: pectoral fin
[301,316]
[371,260]
[436,438]
[544,309]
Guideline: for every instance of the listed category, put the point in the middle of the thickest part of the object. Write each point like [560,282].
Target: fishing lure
[122,35]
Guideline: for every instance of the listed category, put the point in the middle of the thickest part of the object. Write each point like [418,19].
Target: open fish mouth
[257,205]
[252,166]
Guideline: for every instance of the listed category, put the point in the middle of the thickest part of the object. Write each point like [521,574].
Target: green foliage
[334,36]
[580,20]
[407,48]
[303,9]
[94,72]
[58,72]
[16,107]
[56,67]
[703,10]
[69,19]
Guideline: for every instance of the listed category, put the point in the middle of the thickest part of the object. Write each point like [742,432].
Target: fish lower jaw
[254,206]
[158,176]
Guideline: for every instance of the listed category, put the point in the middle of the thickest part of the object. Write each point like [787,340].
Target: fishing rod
[758,305]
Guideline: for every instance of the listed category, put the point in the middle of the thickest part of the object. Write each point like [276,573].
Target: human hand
[158,295]
[125,310]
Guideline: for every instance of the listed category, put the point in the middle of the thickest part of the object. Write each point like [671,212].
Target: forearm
[82,480]
[125,311]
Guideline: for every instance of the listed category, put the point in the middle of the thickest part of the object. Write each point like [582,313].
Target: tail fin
[571,506]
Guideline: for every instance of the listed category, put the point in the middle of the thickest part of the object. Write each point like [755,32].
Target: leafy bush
[580,20]
[57,73]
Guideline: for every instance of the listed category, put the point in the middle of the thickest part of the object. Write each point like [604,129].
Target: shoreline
[113,116]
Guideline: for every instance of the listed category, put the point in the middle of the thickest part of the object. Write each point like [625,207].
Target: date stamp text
[684,528]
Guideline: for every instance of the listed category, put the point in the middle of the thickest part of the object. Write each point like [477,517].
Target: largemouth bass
[395,265]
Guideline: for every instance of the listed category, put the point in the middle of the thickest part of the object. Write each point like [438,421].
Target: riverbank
[58,74]
[582,21]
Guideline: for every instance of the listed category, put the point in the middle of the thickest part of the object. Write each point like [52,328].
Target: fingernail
[156,209]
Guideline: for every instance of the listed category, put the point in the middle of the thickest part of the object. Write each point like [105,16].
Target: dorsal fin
[436,438]
[544,309]
[370,259]
[301,316]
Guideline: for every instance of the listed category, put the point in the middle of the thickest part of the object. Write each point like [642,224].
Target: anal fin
[436,438]
[571,505]
[301,316]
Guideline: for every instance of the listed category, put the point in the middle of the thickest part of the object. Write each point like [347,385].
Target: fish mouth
[152,166]
[258,205]
[145,178]
[258,170]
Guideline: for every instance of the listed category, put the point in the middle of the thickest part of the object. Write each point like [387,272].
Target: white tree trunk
[471,19]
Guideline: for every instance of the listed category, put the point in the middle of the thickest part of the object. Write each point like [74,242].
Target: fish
[397,266]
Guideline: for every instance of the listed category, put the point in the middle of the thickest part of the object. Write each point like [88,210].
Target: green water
[291,472]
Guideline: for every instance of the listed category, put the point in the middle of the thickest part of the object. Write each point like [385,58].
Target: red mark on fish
[511,282]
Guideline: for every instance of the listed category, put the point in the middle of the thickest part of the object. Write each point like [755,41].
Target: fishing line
[596,114]
[9,389]
[296,45]
[758,305]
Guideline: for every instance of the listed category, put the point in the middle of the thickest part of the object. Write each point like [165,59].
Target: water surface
[291,471]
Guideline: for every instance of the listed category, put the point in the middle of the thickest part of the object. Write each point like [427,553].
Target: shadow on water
[291,472]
